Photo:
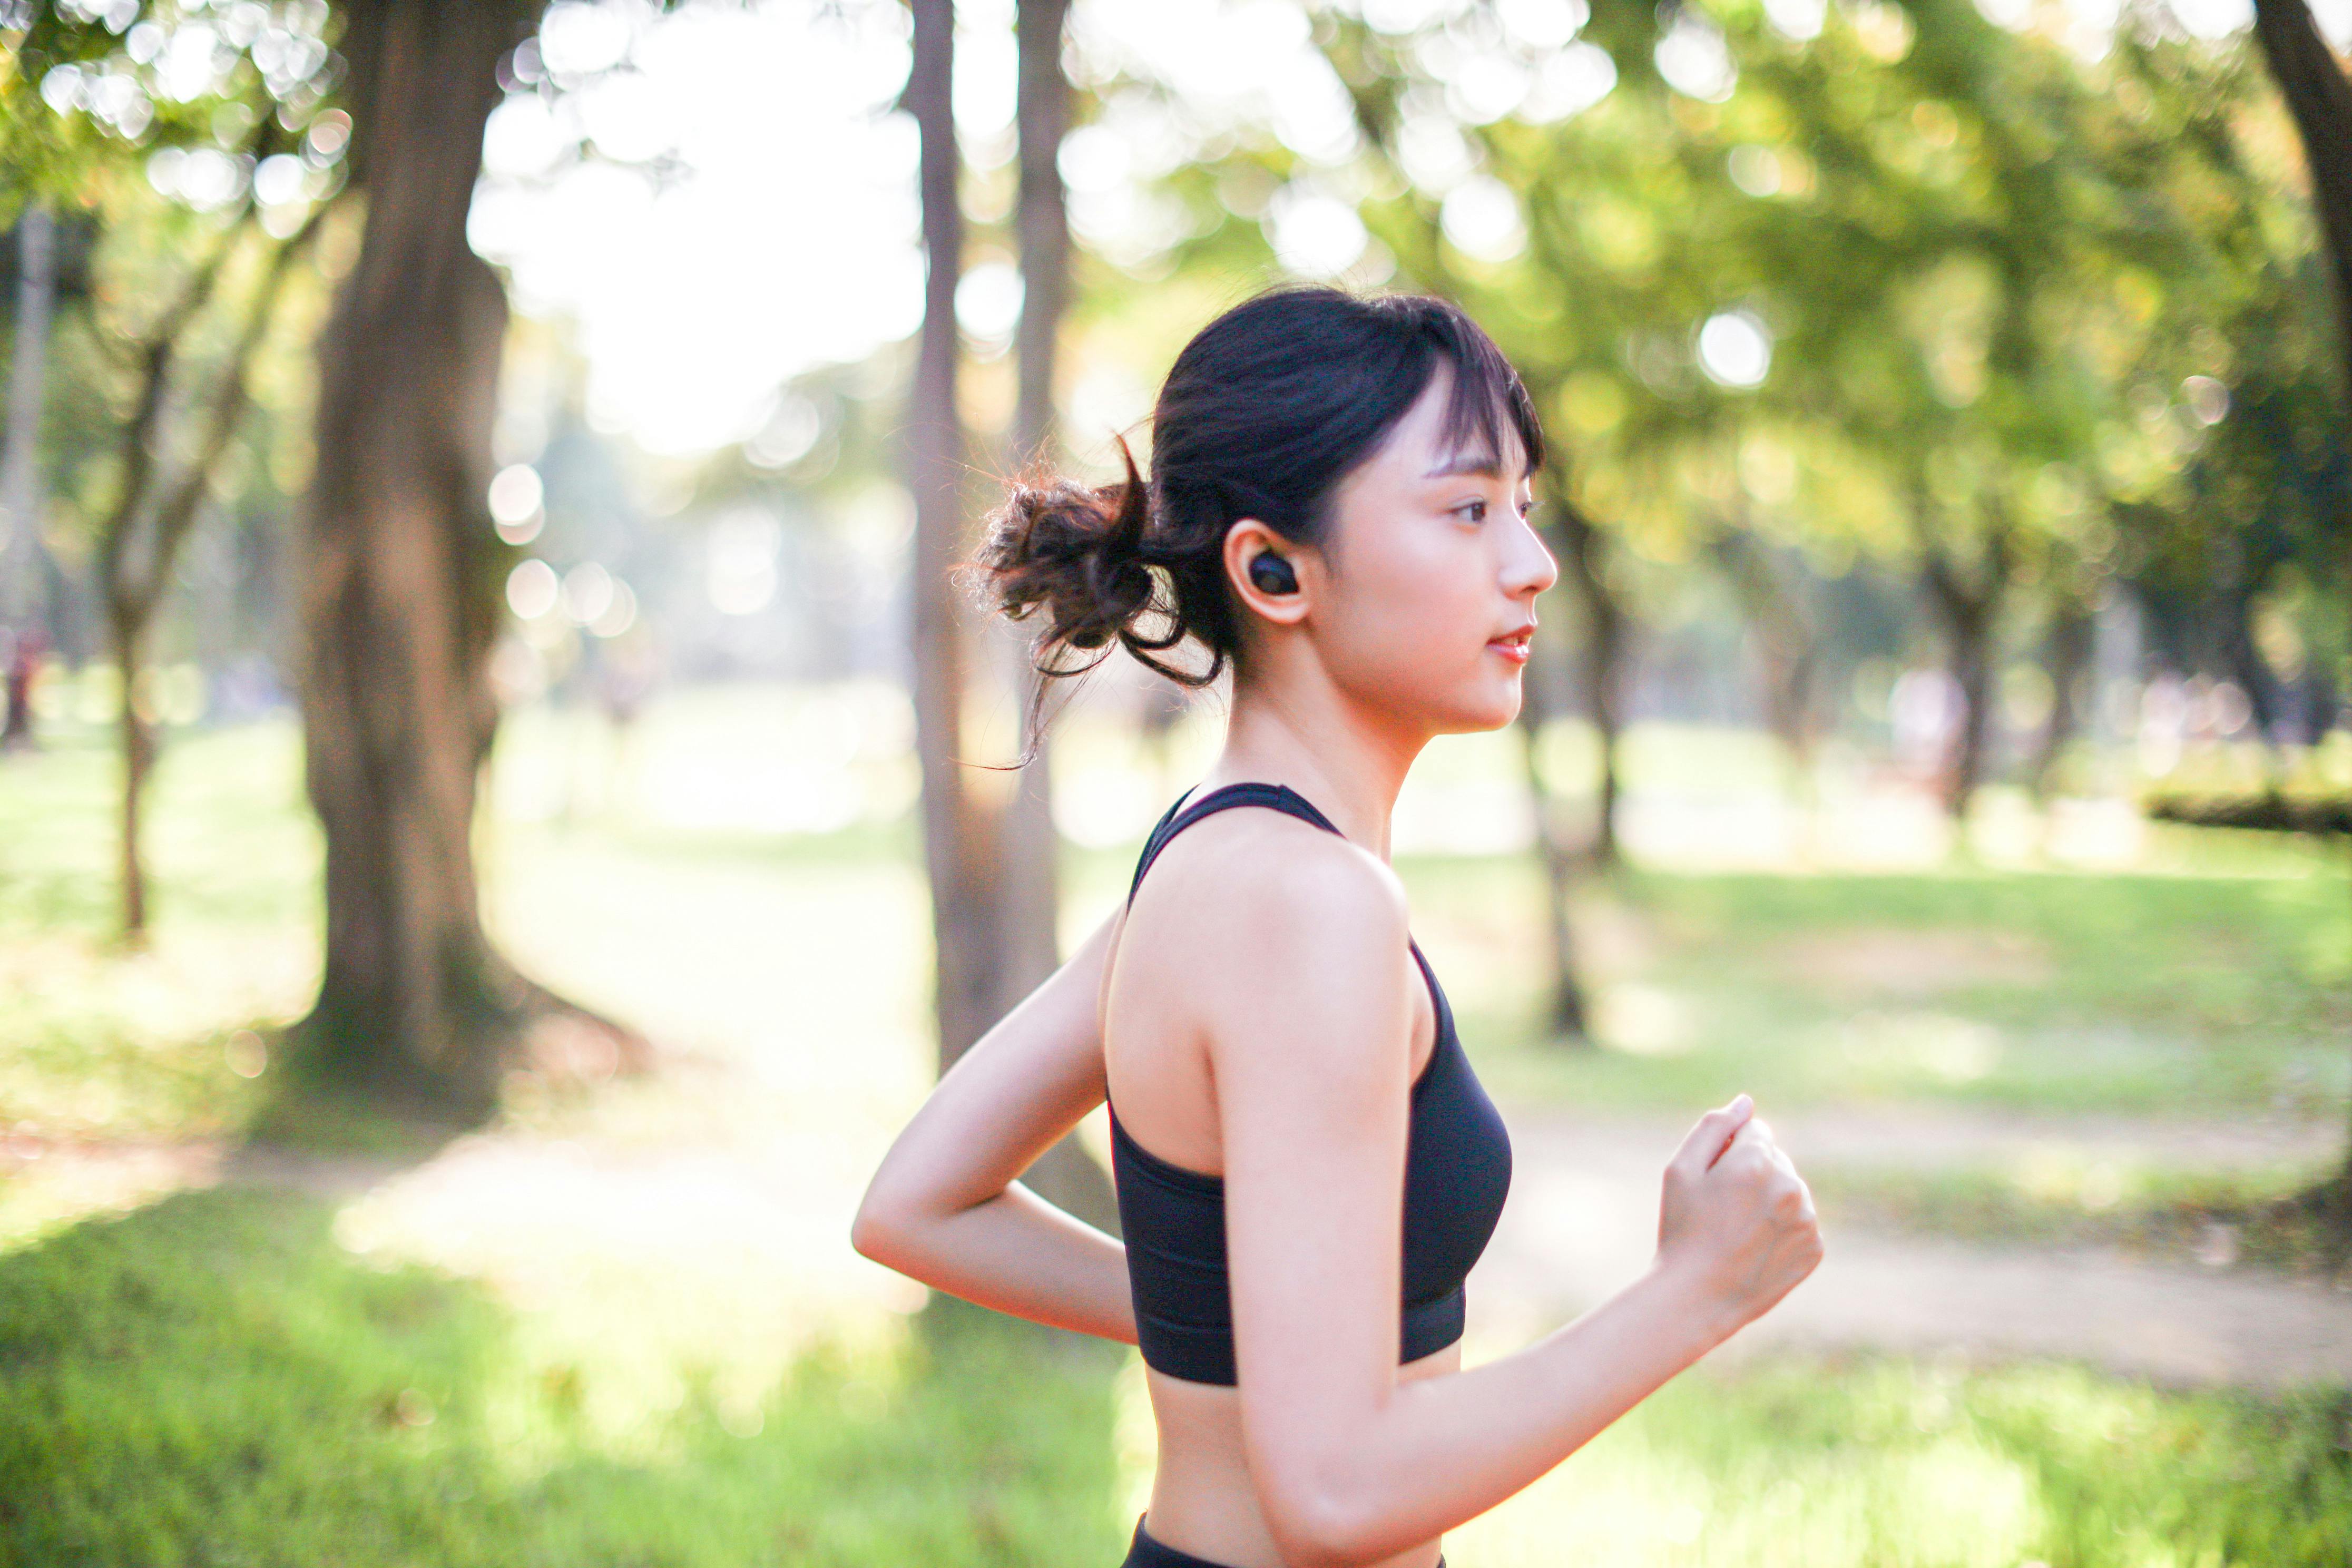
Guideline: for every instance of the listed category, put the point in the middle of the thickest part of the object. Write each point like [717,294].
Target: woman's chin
[1491,707]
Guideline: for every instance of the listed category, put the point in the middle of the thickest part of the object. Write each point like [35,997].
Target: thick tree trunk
[1604,652]
[960,835]
[400,573]
[2319,96]
[21,549]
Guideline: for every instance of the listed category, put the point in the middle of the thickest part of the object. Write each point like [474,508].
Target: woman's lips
[1513,647]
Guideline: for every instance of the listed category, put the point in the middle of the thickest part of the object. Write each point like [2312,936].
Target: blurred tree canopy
[1800,285]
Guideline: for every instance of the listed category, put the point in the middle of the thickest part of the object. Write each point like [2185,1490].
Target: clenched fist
[1735,1217]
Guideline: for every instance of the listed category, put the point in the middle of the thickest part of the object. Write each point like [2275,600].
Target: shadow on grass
[215,1380]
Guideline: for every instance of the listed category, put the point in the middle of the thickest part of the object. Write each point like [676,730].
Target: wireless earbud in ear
[1272,573]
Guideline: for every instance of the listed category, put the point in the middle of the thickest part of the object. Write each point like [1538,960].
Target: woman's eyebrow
[1484,464]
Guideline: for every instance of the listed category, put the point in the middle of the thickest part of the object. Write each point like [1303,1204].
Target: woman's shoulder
[1280,889]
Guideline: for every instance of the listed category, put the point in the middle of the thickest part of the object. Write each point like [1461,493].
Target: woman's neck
[1349,761]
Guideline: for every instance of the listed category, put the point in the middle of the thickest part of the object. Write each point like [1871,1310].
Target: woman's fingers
[1705,1143]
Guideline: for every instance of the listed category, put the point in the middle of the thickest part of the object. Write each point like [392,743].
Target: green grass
[2218,988]
[1885,1462]
[2216,1217]
[97,1040]
[215,1380]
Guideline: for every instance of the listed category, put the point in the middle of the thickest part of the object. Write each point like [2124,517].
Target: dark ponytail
[1264,413]
[1084,556]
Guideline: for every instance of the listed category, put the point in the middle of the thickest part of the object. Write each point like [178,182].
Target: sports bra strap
[1281,797]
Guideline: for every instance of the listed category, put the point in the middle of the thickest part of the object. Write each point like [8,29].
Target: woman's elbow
[1321,1525]
[879,1232]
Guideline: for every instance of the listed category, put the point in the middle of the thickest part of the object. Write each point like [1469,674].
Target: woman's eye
[1476,511]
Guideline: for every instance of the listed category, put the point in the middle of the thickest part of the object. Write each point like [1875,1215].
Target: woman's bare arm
[945,1208]
[1312,1061]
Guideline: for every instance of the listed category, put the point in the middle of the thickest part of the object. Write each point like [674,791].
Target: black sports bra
[1457,1171]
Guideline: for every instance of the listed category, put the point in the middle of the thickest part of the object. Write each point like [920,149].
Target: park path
[758,1214]
[1582,1219]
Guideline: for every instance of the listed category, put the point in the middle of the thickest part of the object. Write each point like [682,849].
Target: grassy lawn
[252,1376]
[2215,1217]
[215,1380]
[2221,986]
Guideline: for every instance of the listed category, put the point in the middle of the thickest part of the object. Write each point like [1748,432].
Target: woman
[1338,508]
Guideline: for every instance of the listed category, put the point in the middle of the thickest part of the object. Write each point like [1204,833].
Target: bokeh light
[532,588]
[1735,348]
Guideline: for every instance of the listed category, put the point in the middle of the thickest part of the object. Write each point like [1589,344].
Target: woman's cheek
[1432,639]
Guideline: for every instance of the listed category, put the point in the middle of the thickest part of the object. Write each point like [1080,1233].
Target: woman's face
[1423,599]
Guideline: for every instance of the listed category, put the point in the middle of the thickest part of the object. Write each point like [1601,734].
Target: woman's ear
[1274,578]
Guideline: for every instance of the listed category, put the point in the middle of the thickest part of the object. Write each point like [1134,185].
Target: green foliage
[89,88]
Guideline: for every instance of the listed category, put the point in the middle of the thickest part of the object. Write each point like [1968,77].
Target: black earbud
[1272,573]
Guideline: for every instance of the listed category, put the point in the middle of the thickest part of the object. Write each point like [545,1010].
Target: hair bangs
[1487,398]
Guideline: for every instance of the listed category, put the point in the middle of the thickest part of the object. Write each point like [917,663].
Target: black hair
[1264,413]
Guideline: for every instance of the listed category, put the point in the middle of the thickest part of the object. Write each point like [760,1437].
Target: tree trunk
[1031,889]
[400,577]
[960,848]
[1564,1012]
[2319,96]
[1604,651]
[2074,642]
[137,737]
[1968,612]
[1066,1175]
[21,549]
[1785,637]
[135,564]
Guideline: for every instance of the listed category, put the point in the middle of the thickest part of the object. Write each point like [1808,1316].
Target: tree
[401,576]
[77,130]
[960,837]
[1066,1175]
[155,507]
[20,471]
[2319,97]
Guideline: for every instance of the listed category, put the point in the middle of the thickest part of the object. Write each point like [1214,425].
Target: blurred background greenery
[484,867]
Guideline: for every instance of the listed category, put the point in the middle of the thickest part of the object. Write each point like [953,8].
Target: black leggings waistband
[1144,1551]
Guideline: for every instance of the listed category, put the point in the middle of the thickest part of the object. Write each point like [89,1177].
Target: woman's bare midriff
[1203,1501]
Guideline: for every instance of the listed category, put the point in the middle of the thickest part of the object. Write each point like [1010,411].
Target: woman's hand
[1736,1219]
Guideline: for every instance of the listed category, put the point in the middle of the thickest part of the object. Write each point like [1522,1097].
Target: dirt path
[1582,1220]
[756,1214]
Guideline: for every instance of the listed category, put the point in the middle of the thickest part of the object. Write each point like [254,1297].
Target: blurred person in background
[1307,1167]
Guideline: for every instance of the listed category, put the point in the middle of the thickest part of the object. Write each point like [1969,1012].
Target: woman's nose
[1531,566]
